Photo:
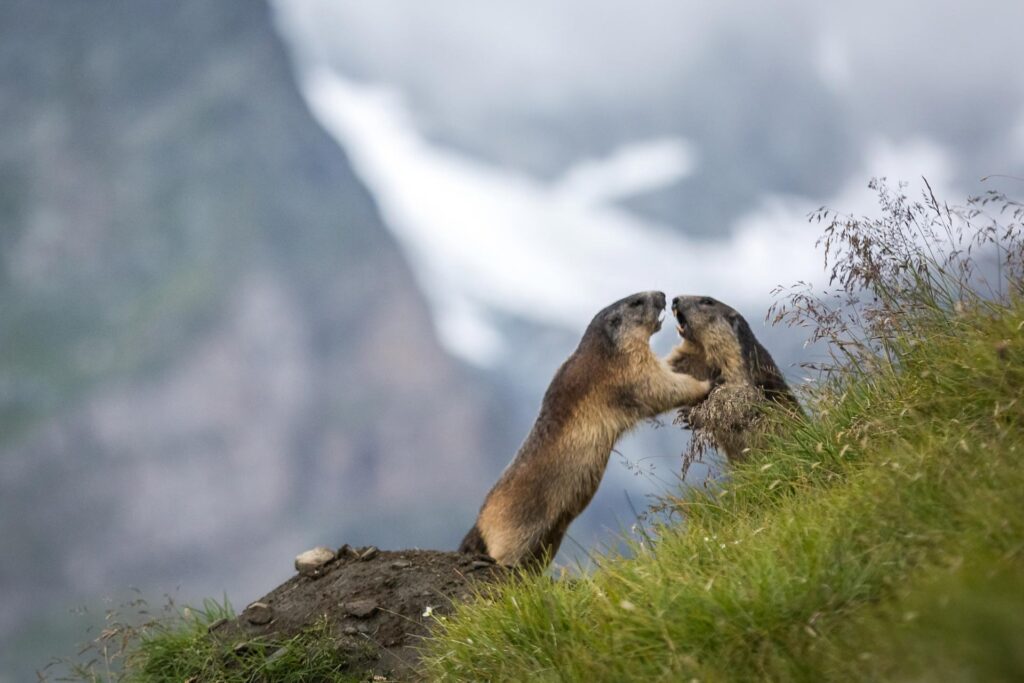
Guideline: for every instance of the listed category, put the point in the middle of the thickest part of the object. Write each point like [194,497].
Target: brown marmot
[611,382]
[718,344]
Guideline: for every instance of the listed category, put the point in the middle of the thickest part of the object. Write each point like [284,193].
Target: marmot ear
[615,321]
[734,320]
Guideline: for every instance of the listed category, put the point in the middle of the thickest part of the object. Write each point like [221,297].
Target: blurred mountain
[211,352]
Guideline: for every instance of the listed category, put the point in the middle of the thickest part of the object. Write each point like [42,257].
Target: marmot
[611,382]
[719,345]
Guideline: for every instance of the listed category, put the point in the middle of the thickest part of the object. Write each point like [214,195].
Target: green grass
[880,539]
[180,648]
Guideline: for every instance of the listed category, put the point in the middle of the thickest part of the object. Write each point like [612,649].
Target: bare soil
[379,605]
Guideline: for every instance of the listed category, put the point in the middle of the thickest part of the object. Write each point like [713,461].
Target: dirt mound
[378,604]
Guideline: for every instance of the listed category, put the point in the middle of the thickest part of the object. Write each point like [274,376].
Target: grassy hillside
[881,537]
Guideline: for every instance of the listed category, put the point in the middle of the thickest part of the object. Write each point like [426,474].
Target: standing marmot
[611,382]
[718,344]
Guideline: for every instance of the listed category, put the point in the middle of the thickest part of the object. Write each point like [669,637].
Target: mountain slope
[881,541]
[213,352]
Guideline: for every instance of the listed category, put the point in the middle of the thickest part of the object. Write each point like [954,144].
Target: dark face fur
[633,318]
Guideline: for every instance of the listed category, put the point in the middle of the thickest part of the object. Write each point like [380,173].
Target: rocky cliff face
[210,349]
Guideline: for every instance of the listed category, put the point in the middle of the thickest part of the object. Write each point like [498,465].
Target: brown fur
[718,343]
[611,382]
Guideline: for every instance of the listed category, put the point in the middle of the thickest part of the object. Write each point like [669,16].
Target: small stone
[350,630]
[313,562]
[369,553]
[276,654]
[401,564]
[243,648]
[480,564]
[258,613]
[347,552]
[360,609]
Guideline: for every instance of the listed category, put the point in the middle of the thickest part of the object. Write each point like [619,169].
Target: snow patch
[484,239]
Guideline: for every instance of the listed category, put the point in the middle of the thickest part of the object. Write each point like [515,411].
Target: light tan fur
[610,383]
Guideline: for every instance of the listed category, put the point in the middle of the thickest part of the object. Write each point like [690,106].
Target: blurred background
[274,276]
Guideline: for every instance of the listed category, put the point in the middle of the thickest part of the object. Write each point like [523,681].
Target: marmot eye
[707,301]
[636,302]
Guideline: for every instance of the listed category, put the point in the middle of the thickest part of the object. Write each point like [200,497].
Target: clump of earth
[378,604]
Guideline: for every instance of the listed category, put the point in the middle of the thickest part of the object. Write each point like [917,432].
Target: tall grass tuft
[896,278]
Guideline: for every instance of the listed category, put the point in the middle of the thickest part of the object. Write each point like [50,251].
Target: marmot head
[628,322]
[708,323]
[715,335]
